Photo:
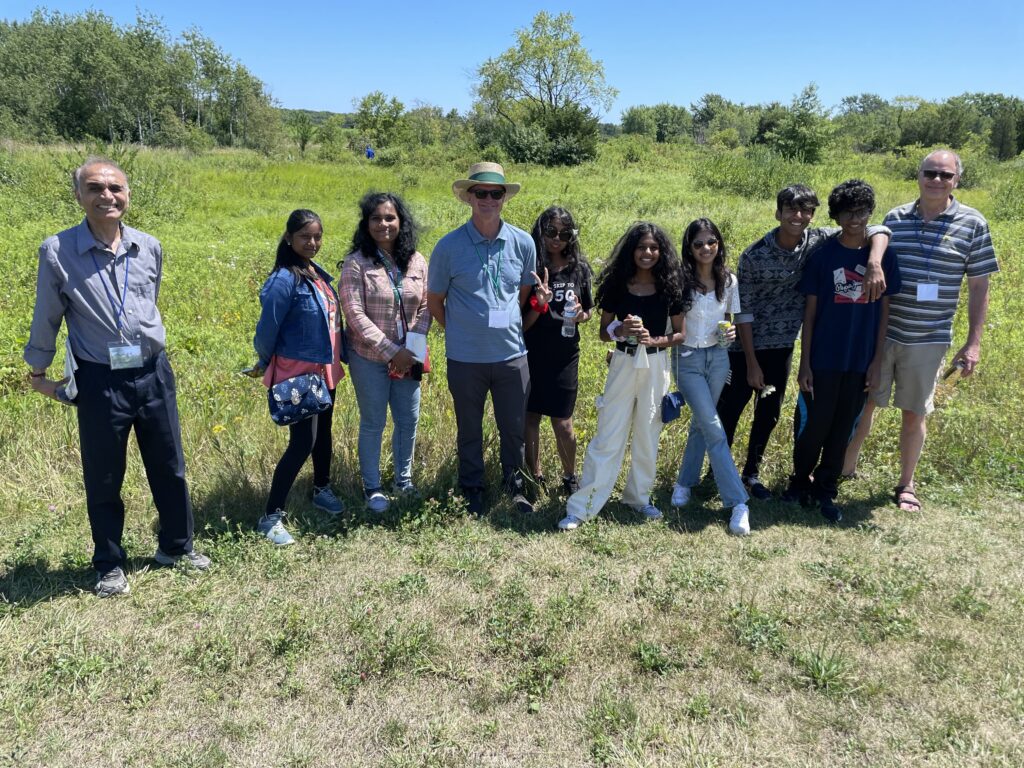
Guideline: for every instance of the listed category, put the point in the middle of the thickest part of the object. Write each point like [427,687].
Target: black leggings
[734,398]
[306,437]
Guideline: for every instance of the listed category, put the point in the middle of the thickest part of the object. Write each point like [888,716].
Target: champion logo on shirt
[849,286]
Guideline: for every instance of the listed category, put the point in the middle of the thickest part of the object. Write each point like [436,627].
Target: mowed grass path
[424,638]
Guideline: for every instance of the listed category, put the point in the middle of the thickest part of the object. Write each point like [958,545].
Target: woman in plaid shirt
[384,301]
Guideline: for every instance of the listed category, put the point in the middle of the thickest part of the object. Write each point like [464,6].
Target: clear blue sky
[317,54]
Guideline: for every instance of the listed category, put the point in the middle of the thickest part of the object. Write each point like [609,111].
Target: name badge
[927,291]
[124,355]
[499,318]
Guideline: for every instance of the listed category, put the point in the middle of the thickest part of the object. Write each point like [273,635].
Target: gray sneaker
[111,583]
[324,498]
[272,526]
[194,559]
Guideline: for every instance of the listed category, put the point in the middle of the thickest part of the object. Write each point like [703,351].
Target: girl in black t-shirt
[563,279]
[640,295]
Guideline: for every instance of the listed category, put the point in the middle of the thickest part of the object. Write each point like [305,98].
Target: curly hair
[408,231]
[851,195]
[286,257]
[613,282]
[572,252]
[691,282]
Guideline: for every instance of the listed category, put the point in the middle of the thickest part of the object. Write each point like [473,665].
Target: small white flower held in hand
[768,390]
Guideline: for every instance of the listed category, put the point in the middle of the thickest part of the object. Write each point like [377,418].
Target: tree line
[81,76]
[77,77]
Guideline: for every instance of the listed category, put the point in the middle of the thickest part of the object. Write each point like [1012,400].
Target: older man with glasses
[479,278]
[938,241]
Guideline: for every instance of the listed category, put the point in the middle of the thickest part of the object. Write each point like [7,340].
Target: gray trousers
[509,385]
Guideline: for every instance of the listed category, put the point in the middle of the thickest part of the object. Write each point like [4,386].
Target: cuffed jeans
[111,403]
[700,376]
[631,401]
[375,393]
[509,384]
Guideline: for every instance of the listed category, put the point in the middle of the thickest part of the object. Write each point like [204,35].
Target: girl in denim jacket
[300,331]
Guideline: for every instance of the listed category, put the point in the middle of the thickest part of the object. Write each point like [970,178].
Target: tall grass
[427,639]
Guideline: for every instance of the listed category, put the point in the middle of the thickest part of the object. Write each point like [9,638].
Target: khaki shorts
[915,369]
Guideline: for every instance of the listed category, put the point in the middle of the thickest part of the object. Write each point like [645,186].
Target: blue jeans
[375,391]
[700,376]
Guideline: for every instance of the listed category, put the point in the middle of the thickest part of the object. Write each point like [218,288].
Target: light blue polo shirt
[478,276]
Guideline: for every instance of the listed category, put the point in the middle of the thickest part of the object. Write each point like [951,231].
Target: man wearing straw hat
[479,277]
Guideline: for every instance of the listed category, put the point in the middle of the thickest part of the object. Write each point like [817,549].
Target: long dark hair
[613,282]
[405,243]
[287,258]
[573,254]
[691,282]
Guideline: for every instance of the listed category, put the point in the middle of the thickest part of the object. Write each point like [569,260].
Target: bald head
[941,155]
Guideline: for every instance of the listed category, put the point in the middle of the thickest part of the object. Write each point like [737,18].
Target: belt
[630,349]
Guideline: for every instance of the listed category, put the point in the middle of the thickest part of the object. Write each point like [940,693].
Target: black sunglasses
[944,175]
[483,194]
[565,235]
[711,242]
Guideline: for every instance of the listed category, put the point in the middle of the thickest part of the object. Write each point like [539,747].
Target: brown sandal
[906,499]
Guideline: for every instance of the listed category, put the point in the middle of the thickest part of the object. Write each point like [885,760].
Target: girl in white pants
[642,309]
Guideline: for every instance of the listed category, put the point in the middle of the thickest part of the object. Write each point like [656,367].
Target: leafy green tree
[549,81]
[803,130]
[639,121]
[378,118]
[869,123]
[302,129]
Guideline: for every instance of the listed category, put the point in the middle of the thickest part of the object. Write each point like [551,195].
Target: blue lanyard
[494,278]
[935,244]
[118,313]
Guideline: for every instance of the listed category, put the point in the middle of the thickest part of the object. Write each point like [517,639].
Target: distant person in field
[560,302]
[769,274]
[938,241]
[480,277]
[384,299]
[300,332]
[640,295]
[102,279]
[841,347]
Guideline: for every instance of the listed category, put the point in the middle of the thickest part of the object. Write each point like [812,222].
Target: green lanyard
[495,276]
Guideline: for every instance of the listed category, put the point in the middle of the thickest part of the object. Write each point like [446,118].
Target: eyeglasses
[711,242]
[483,194]
[928,173]
[565,235]
[856,213]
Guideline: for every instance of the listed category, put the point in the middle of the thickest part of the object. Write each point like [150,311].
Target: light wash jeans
[700,376]
[375,391]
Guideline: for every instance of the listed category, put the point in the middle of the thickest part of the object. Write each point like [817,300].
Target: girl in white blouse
[701,366]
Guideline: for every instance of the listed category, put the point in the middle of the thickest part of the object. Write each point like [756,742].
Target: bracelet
[536,306]
[34,375]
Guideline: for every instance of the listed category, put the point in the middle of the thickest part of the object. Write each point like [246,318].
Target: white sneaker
[739,523]
[569,523]
[649,511]
[680,495]
[376,501]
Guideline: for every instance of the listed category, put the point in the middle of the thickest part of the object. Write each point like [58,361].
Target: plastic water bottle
[569,318]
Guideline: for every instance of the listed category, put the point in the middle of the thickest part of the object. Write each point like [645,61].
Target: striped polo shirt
[955,243]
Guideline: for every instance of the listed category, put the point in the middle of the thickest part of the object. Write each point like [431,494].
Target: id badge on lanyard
[124,354]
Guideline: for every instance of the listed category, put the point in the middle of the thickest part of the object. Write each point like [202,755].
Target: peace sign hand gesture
[541,289]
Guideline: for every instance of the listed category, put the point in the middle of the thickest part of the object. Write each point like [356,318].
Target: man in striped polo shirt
[938,241]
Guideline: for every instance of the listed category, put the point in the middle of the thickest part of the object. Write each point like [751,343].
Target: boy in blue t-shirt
[841,347]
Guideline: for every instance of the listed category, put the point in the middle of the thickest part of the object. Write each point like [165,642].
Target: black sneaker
[474,500]
[570,484]
[522,504]
[829,510]
[111,583]
[794,495]
[756,489]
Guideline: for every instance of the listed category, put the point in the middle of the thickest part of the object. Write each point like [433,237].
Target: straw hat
[483,173]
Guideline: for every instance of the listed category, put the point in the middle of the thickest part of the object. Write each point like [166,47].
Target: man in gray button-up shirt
[102,278]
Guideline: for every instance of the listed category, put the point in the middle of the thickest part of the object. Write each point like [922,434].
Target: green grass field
[425,638]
